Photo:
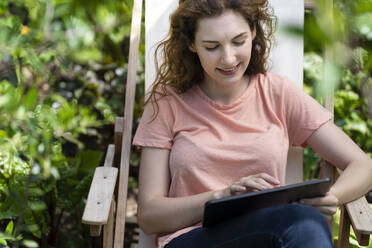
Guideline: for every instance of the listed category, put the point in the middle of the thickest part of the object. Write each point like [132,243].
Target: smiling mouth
[229,71]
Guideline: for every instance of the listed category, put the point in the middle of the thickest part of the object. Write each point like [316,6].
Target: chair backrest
[286,57]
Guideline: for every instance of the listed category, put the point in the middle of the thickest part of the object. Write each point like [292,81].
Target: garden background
[63,65]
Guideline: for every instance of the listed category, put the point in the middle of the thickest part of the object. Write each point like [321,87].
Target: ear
[253,32]
[192,48]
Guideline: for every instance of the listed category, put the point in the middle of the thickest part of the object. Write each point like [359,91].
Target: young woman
[217,124]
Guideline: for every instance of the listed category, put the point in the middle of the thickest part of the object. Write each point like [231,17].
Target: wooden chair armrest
[100,195]
[360,214]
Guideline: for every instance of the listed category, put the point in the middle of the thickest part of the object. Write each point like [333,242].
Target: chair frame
[106,203]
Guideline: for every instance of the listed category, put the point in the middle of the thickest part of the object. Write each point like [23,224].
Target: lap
[279,226]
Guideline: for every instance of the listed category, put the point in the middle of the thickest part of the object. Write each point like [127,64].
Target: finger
[264,183]
[269,179]
[320,201]
[256,184]
[237,189]
[327,210]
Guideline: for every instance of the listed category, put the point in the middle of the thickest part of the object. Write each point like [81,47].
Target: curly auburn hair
[181,68]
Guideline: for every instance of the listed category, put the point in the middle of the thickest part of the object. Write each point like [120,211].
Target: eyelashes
[211,48]
[236,43]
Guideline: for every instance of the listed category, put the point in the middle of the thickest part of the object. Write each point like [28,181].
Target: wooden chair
[107,208]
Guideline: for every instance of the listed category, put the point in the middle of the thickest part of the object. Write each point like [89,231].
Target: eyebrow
[214,41]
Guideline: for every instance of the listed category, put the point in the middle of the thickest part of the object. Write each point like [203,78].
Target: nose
[228,56]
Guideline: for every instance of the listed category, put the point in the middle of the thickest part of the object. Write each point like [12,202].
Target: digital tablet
[217,211]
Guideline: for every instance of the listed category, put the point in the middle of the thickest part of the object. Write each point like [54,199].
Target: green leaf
[33,192]
[31,99]
[9,228]
[37,205]
[5,99]
[34,229]
[30,243]
[3,242]
[89,159]
[2,134]
[88,55]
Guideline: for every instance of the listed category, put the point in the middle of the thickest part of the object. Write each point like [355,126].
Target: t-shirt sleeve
[156,132]
[303,114]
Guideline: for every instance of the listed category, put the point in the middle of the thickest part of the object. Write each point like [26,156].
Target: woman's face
[224,45]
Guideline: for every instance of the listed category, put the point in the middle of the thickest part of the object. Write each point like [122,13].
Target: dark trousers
[285,226]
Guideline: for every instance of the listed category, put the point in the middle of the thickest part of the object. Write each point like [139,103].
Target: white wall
[157,27]
[287,57]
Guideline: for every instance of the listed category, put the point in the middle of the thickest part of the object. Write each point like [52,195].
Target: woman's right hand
[251,183]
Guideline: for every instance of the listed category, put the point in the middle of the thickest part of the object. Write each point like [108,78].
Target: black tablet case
[217,211]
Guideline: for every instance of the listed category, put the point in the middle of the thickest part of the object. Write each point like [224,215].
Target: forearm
[164,214]
[354,181]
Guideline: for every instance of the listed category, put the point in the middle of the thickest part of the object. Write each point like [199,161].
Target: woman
[217,124]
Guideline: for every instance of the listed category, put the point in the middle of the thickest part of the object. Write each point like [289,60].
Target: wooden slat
[95,230]
[344,232]
[108,229]
[128,113]
[119,129]
[309,4]
[361,219]
[294,171]
[109,159]
[101,191]
[327,170]
[363,239]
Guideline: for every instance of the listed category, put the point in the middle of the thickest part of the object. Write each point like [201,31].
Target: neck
[225,94]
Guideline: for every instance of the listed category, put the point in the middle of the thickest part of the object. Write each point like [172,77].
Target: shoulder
[274,81]
[275,85]
[168,98]
[162,94]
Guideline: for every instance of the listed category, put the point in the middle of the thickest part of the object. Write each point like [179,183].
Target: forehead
[226,25]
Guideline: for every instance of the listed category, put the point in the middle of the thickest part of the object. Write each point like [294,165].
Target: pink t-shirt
[213,145]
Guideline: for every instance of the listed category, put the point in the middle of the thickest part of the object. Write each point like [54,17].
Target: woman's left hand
[327,204]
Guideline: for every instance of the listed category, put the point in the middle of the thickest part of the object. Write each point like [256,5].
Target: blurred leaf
[37,205]
[363,25]
[30,243]
[31,99]
[88,55]
[293,30]
[3,242]
[9,228]
[89,159]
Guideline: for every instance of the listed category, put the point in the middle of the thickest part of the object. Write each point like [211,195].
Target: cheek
[246,50]
[208,59]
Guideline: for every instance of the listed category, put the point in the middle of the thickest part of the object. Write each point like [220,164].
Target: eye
[211,48]
[239,43]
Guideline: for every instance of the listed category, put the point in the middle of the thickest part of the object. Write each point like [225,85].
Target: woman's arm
[158,213]
[355,180]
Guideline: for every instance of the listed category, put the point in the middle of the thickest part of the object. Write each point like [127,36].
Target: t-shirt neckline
[240,99]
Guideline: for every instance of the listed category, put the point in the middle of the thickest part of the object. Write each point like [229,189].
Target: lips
[229,71]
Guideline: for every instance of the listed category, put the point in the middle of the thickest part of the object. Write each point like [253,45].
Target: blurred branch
[49,13]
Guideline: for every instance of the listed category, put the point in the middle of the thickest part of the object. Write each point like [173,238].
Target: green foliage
[62,74]
[348,68]
[346,43]
[36,177]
